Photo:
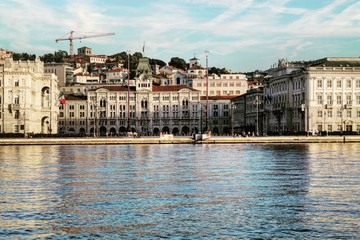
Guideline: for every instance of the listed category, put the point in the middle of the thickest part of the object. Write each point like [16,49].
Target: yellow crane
[72,37]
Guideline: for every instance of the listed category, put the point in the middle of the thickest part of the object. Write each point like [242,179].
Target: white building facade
[28,98]
[319,96]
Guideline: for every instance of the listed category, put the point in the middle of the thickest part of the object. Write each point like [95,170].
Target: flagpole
[50,104]
[128,95]
[207,90]
[143,50]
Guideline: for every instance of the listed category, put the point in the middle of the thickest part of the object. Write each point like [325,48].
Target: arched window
[103,103]
[144,103]
[16,99]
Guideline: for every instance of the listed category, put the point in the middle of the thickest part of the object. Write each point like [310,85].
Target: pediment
[102,90]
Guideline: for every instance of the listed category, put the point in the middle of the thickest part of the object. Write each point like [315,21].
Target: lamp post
[207,89]
[95,113]
[342,108]
[257,102]
[233,107]
[25,113]
[128,93]
[201,119]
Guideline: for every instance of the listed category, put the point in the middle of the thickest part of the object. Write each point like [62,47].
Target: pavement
[178,140]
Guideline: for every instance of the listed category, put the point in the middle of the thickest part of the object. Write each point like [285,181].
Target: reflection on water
[180,191]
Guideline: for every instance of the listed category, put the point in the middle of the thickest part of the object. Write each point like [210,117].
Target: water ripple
[180,191]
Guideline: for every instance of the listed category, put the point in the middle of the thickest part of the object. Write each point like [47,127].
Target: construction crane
[71,38]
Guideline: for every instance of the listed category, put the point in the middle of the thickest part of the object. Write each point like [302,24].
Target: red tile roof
[72,97]
[174,88]
[117,70]
[115,88]
[227,97]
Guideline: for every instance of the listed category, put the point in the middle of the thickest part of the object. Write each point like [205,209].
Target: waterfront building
[219,120]
[248,112]
[63,71]
[142,107]
[313,97]
[28,97]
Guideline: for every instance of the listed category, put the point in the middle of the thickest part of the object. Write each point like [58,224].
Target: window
[348,99]
[358,100]
[329,114]
[319,99]
[348,113]
[338,100]
[338,83]
[320,113]
[339,113]
[16,100]
[102,103]
[348,83]
[17,114]
[329,100]
[357,83]
[329,128]
[329,83]
[320,128]
[319,83]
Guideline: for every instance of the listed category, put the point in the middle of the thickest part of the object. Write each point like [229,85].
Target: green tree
[23,57]
[217,71]
[57,57]
[157,62]
[178,63]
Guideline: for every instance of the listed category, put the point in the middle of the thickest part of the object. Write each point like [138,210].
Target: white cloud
[180,28]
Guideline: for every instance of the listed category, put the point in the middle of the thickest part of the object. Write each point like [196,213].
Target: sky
[241,35]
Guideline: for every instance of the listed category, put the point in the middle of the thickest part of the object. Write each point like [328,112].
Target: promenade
[179,140]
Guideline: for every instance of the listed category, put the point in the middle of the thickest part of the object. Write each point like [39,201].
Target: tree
[23,57]
[157,62]
[57,57]
[178,63]
[217,71]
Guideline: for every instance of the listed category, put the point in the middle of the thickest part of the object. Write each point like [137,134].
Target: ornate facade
[28,98]
[144,108]
[318,96]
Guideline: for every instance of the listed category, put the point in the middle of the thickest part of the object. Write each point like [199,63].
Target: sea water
[251,191]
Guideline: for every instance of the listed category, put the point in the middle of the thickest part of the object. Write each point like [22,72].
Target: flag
[143,50]
[62,99]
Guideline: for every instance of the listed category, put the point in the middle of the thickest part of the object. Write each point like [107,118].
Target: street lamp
[207,89]
[95,113]
[257,102]
[233,107]
[128,93]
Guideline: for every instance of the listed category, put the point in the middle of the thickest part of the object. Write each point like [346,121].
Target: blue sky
[242,35]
